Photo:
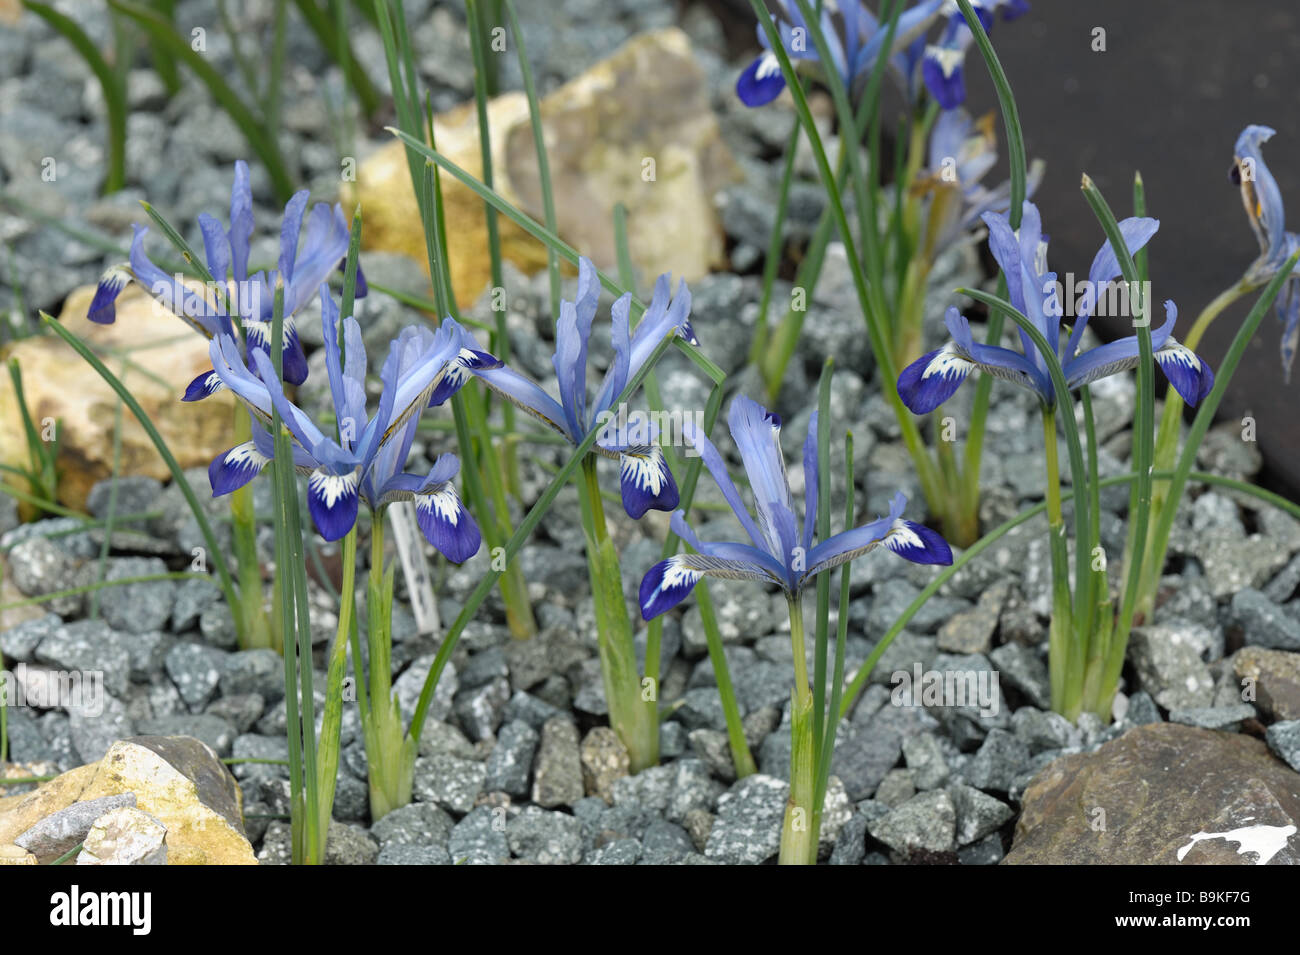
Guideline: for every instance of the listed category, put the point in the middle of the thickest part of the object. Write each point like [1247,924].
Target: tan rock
[182,783]
[604,761]
[12,855]
[636,128]
[166,356]
[58,793]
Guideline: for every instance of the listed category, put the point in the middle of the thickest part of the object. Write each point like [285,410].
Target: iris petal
[446,523]
[646,481]
[234,468]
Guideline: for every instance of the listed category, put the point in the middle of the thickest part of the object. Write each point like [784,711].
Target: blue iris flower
[933,378]
[943,63]
[779,552]
[645,479]
[367,458]
[854,44]
[1263,201]
[323,250]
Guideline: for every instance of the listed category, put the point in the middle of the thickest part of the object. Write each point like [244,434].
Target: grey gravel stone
[413,855]
[480,838]
[1213,717]
[206,727]
[713,747]
[196,670]
[38,567]
[971,631]
[449,782]
[618,852]
[1169,665]
[137,608]
[988,851]
[193,596]
[926,822]
[1284,740]
[1025,670]
[253,671]
[1141,710]
[479,710]
[747,829]
[872,747]
[978,814]
[511,760]
[545,837]
[349,845]
[415,824]
[18,644]
[1044,730]
[896,788]
[240,711]
[925,759]
[1263,622]
[998,761]
[529,709]
[89,646]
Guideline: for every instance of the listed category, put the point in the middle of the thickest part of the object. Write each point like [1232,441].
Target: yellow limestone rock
[13,855]
[20,813]
[636,128]
[181,782]
[164,356]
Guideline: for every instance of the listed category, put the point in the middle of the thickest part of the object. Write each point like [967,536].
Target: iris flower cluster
[933,378]
[367,460]
[241,299]
[855,40]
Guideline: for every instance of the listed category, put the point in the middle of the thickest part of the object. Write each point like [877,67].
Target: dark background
[1178,81]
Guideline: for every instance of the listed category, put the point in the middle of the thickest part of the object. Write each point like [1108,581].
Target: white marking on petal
[677,575]
[1176,352]
[947,58]
[902,538]
[949,363]
[645,470]
[331,488]
[445,503]
[115,278]
[768,65]
[246,455]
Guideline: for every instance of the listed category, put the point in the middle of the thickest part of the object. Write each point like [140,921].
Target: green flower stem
[521,534]
[327,760]
[798,840]
[632,716]
[1063,646]
[390,752]
[1103,690]
[255,630]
